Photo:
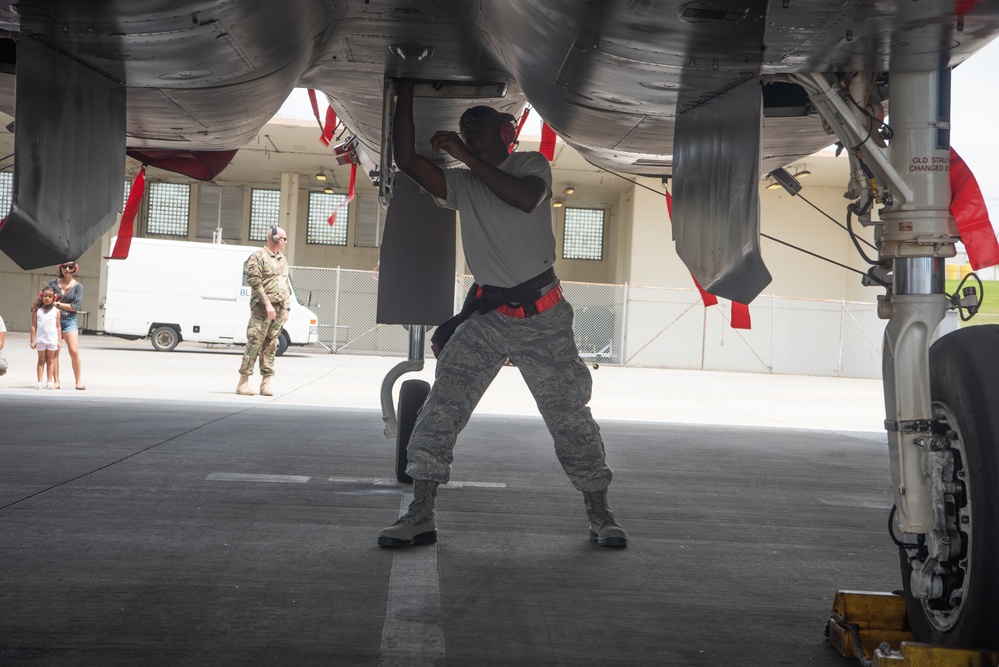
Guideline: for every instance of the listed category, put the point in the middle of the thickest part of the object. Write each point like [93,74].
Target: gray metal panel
[716,211]
[70,160]
[416,270]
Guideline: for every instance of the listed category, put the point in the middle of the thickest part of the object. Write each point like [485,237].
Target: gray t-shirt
[503,245]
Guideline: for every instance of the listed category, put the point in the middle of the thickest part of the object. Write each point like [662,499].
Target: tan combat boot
[265,386]
[243,388]
[419,524]
[604,530]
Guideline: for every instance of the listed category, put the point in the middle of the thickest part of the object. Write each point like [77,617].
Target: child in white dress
[46,335]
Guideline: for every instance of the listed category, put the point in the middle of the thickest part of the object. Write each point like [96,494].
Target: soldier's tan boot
[604,530]
[419,524]
[265,386]
[243,388]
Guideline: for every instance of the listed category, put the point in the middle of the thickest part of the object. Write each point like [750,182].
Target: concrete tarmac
[159,519]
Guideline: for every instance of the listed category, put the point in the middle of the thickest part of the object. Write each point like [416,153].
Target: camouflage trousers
[262,339]
[544,350]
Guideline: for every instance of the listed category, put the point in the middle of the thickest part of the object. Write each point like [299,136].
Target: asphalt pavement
[157,518]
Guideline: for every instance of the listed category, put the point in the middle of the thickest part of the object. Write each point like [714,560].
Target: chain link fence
[636,326]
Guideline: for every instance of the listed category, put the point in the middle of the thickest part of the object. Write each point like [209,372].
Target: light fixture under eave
[558,203]
[412,51]
[328,189]
[568,190]
[321,176]
[773,185]
[802,173]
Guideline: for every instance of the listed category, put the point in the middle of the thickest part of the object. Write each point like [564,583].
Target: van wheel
[164,338]
[412,394]
[283,344]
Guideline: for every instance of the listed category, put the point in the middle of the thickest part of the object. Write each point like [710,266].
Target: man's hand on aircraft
[450,143]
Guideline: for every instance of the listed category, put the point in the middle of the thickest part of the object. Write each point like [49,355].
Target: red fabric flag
[315,106]
[126,228]
[523,119]
[968,206]
[329,126]
[350,195]
[708,299]
[740,316]
[520,126]
[330,123]
[547,142]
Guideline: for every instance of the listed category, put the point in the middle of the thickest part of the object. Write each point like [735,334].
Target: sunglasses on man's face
[68,267]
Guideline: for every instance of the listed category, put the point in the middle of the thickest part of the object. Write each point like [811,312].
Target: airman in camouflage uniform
[267,276]
[506,233]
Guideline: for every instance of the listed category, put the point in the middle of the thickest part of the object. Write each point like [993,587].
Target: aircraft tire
[283,343]
[164,338]
[412,394]
[964,387]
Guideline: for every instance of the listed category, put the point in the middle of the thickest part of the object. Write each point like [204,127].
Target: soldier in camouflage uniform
[270,300]
[506,232]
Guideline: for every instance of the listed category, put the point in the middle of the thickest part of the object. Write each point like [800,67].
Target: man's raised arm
[422,170]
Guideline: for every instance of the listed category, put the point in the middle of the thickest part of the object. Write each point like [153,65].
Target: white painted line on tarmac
[867,503]
[474,485]
[413,633]
[376,481]
[382,481]
[245,477]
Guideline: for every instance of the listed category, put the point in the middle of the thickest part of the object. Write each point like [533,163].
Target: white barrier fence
[637,326]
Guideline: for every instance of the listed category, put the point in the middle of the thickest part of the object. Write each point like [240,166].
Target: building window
[124,196]
[584,234]
[265,212]
[220,207]
[321,206]
[169,209]
[6,192]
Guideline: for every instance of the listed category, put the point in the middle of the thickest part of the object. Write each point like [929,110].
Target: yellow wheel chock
[875,623]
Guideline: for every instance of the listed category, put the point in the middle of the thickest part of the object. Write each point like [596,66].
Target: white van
[179,290]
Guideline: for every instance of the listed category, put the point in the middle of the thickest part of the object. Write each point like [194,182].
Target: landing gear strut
[943,430]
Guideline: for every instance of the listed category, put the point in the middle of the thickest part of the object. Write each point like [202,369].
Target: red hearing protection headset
[507,123]
[507,129]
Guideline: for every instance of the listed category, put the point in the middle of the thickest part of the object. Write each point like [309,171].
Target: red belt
[553,296]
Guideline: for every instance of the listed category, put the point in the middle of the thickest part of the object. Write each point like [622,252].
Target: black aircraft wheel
[412,394]
[964,386]
[164,338]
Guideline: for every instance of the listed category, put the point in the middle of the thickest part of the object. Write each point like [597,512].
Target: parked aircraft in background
[709,94]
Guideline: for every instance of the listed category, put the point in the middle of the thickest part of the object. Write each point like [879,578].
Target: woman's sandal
[80,387]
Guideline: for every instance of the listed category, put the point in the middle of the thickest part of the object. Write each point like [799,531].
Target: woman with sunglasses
[70,293]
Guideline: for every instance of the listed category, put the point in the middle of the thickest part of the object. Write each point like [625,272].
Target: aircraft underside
[709,95]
